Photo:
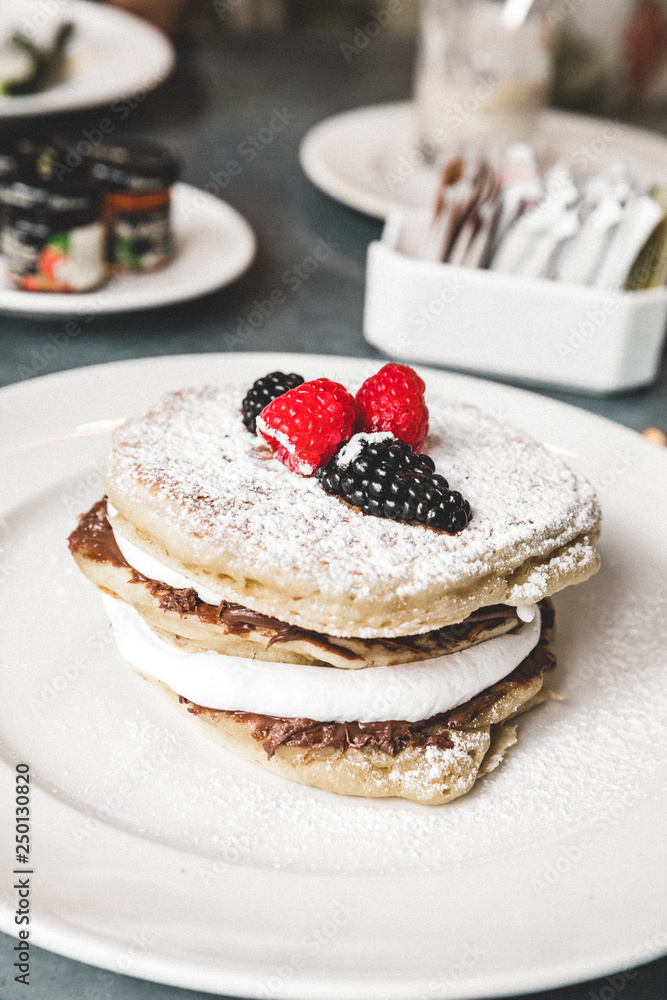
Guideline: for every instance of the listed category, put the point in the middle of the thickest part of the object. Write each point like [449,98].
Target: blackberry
[386,478]
[263,392]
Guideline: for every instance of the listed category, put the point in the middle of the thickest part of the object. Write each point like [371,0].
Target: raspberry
[386,478]
[263,391]
[393,400]
[305,426]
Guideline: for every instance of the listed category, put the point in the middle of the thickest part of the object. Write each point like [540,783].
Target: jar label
[70,261]
[140,242]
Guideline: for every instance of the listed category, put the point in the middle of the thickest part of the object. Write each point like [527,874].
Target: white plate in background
[111,56]
[367,158]
[158,854]
[214,246]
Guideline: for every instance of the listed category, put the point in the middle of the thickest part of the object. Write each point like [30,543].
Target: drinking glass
[478,84]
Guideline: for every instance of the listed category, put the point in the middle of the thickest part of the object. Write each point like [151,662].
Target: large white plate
[367,158]
[214,246]
[158,854]
[112,57]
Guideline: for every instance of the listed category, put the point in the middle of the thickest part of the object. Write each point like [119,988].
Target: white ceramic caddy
[533,329]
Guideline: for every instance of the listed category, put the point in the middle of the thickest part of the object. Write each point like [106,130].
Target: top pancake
[200,493]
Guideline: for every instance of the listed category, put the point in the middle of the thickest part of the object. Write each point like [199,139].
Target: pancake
[240,588]
[193,490]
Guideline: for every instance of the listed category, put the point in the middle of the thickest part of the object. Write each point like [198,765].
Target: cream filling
[409,691]
[155,570]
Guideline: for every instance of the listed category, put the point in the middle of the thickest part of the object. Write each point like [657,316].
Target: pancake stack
[359,654]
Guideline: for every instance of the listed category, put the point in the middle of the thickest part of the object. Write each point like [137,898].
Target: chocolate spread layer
[391,737]
[183,600]
[395,735]
[94,539]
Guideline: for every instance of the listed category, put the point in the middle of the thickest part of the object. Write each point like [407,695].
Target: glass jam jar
[136,176]
[52,236]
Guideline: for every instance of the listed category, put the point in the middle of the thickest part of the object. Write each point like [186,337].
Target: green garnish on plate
[44,64]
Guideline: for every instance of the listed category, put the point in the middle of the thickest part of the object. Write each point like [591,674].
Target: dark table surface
[222,95]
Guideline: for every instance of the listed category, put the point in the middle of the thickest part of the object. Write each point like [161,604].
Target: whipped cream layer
[406,691]
[152,568]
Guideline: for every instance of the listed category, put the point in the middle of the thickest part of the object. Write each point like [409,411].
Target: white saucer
[214,246]
[368,160]
[159,855]
[111,57]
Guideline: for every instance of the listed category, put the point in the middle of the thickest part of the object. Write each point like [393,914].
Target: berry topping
[385,477]
[393,400]
[305,426]
[263,391]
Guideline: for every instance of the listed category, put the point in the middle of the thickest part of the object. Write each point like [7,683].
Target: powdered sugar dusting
[352,450]
[194,452]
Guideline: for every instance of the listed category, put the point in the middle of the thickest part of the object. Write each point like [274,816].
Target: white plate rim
[58,99]
[398,118]
[241,246]
[55,934]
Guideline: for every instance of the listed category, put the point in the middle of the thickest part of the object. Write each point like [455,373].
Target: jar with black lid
[137,176]
[52,234]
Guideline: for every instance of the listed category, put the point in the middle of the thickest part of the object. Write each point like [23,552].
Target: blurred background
[607,54]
